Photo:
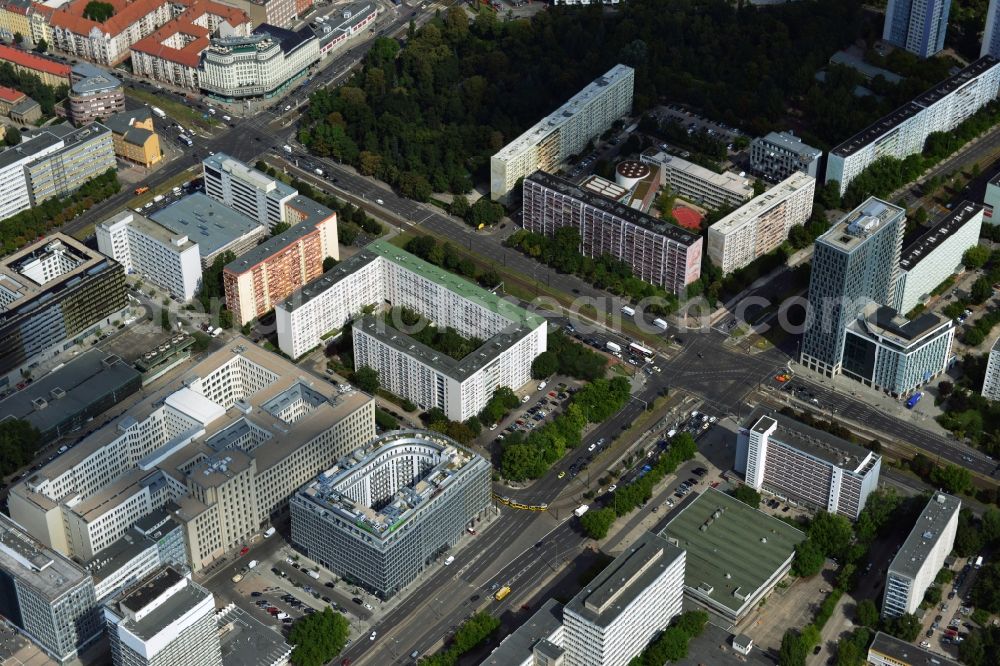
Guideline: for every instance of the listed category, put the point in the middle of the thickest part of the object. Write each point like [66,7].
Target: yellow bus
[502,593]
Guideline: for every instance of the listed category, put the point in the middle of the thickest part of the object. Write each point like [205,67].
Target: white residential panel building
[564,132]
[168,260]
[762,224]
[991,383]
[246,190]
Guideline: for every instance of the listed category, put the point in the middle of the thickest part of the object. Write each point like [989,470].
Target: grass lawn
[175,110]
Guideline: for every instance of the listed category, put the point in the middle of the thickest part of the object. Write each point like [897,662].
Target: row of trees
[445,255]
[19,442]
[32,86]
[562,252]
[503,400]
[672,644]
[26,226]
[632,495]
[966,413]
[318,638]
[446,340]
[469,635]
[565,357]
[530,457]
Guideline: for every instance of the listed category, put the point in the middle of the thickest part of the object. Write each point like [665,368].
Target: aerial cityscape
[499,332]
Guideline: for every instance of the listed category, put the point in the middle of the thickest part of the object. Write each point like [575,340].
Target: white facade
[385,273]
[246,190]
[254,66]
[936,255]
[991,35]
[762,224]
[904,131]
[921,556]
[565,132]
[168,260]
[991,383]
[15,191]
[698,184]
[627,605]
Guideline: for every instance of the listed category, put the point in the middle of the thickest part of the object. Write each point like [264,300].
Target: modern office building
[246,641]
[887,650]
[660,253]
[265,64]
[991,201]
[163,620]
[247,190]
[62,401]
[698,184]
[275,12]
[735,554]
[228,443]
[540,640]
[259,279]
[46,595]
[96,97]
[782,456]
[856,261]
[564,132]
[936,255]
[762,224]
[134,137]
[780,154]
[383,513]
[612,619]
[904,131]
[918,26]
[53,292]
[921,556]
[155,541]
[214,227]
[50,72]
[383,273]
[991,34]
[169,260]
[991,383]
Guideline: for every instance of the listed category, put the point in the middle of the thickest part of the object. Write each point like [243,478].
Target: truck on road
[628,311]
[660,324]
[142,189]
[613,346]
[313,574]
[580,510]
[979,562]
[158,112]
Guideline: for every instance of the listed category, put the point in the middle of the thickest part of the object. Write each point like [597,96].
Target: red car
[244,551]
[345,662]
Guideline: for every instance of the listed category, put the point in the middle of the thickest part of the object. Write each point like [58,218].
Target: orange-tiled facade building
[50,72]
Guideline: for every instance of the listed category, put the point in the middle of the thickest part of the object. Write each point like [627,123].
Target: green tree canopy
[366,379]
[866,614]
[747,495]
[318,638]
[976,256]
[98,11]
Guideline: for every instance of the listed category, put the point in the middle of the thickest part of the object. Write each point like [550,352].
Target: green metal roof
[740,542]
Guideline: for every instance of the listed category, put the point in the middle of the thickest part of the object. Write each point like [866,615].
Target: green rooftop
[733,550]
[459,285]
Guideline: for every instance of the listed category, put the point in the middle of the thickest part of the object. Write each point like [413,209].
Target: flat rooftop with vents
[45,571]
[735,553]
[924,537]
[851,231]
[942,230]
[213,225]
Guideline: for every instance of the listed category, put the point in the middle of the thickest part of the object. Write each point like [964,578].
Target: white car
[525,399]
[592,447]
[612,488]
[380,202]
[494,426]
[369,607]
[373,634]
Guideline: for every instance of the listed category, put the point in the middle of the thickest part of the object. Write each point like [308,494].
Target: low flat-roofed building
[215,227]
[26,112]
[780,455]
[780,154]
[635,597]
[921,556]
[228,443]
[539,639]
[63,400]
[887,650]
[16,649]
[8,98]
[163,619]
[333,31]
[936,255]
[735,553]
[698,184]
[246,641]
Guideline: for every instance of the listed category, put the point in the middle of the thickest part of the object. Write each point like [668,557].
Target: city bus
[639,350]
[914,399]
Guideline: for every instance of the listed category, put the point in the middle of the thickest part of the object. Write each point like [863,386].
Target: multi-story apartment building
[383,273]
[155,541]
[264,64]
[921,556]
[612,619]
[991,34]
[904,131]
[50,72]
[247,190]
[540,640]
[698,184]
[991,382]
[216,228]
[107,43]
[169,260]
[382,513]
[96,97]
[729,567]
[762,224]
[917,26]
[134,137]
[657,252]
[51,293]
[936,255]
[795,461]
[228,443]
[856,261]
[780,154]
[46,595]
[887,650]
[173,52]
[165,619]
[274,12]
[565,132]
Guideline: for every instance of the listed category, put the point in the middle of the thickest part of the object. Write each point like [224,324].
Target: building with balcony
[565,132]
[380,515]
[918,27]
[794,461]
[991,382]
[660,253]
[95,97]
